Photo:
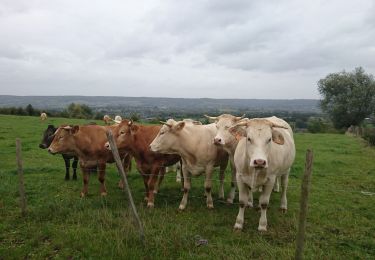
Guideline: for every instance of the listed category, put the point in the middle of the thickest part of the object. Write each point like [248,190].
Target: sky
[275,49]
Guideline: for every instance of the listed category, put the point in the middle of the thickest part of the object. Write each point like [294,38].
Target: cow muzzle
[51,151]
[260,163]
[107,146]
[43,146]
[218,141]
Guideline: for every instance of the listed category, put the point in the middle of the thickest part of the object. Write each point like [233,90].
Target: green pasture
[59,224]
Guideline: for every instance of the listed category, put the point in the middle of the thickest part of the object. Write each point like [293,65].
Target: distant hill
[105,103]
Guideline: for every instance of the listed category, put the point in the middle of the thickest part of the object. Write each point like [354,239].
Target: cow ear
[179,126]
[277,137]
[238,132]
[133,128]
[75,129]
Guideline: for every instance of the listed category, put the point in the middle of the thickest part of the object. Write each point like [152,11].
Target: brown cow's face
[123,134]
[167,138]
[64,142]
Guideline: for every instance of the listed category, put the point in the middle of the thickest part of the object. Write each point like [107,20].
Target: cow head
[223,124]
[48,136]
[64,141]
[167,138]
[123,134]
[260,135]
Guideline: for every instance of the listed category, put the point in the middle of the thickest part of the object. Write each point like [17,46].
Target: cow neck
[185,147]
[142,140]
[87,144]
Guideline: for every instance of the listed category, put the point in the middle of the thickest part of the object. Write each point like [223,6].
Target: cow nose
[107,146]
[259,163]
[217,140]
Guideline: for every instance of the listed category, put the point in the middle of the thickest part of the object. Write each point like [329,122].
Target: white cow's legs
[244,198]
[276,187]
[208,185]
[263,202]
[187,186]
[233,183]
[284,186]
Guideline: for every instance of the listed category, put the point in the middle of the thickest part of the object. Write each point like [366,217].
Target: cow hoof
[237,227]
[210,206]
[103,193]
[262,229]
[250,204]
[121,186]
[155,192]
[145,199]
[82,194]
[150,205]
[229,200]
[283,210]
[181,207]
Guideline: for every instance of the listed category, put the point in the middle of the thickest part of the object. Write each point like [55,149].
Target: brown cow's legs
[85,177]
[101,178]
[160,179]
[151,185]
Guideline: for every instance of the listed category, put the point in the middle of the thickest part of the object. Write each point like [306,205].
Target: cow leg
[233,183]
[276,187]
[67,168]
[85,177]
[187,186]
[145,182]
[263,202]
[160,178]
[284,187]
[221,177]
[101,178]
[74,166]
[126,163]
[151,185]
[208,185]
[244,192]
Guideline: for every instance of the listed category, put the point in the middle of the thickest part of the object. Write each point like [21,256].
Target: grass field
[59,224]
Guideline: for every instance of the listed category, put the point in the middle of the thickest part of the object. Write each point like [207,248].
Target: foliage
[79,111]
[369,135]
[135,117]
[61,225]
[348,97]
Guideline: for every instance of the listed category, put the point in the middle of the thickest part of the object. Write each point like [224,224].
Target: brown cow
[136,139]
[87,142]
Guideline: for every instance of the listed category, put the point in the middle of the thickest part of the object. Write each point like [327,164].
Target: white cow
[228,142]
[118,119]
[107,119]
[267,151]
[194,143]
[43,116]
[175,168]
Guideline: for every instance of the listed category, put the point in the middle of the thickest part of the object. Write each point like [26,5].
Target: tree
[348,97]
[30,110]
[79,111]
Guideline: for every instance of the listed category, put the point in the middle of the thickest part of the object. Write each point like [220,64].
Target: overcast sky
[195,48]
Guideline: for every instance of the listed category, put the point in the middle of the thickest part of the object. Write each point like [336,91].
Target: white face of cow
[223,124]
[167,139]
[260,136]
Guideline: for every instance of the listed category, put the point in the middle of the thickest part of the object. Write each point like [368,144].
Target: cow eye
[161,133]
[122,132]
[269,140]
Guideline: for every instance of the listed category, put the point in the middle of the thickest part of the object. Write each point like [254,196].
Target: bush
[369,135]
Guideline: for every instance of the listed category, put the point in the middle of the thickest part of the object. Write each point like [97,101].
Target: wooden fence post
[120,168]
[305,189]
[20,177]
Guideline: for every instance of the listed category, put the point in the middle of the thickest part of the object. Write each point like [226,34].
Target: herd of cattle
[260,151]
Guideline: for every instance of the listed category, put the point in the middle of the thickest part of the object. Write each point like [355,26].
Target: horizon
[216,49]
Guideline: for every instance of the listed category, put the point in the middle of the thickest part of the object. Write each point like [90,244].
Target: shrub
[369,135]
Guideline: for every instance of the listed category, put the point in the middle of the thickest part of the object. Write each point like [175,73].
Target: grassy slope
[61,224]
